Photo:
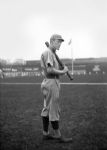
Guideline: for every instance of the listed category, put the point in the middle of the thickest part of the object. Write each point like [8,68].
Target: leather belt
[52,76]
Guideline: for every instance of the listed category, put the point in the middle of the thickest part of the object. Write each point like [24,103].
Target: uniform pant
[50,89]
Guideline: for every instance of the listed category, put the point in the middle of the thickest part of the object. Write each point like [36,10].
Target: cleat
[64,140]
[48,137]
[57,139]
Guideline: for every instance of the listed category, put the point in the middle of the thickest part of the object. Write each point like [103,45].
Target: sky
[25,25]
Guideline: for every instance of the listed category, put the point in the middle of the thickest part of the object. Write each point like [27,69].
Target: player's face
[57,44]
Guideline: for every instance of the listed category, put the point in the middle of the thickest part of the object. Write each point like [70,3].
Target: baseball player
[50,89]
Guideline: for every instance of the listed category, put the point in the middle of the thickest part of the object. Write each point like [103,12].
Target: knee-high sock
[55,125]
[45,121]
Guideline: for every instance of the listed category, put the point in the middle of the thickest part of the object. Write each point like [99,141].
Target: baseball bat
[60,63]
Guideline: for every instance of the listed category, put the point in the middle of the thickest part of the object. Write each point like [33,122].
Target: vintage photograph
[53,74]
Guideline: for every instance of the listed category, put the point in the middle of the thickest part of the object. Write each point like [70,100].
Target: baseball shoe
[48,137]
[63,140]
[57,139]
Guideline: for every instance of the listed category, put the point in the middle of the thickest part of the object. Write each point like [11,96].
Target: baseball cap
[56,37]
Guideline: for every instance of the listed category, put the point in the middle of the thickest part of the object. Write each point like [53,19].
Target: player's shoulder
[46,52]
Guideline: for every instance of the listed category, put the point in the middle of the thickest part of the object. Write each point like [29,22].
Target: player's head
[55,41]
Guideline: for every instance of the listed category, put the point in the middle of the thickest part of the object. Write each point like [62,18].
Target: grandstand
[80,66]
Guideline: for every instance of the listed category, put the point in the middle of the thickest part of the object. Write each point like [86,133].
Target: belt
[52,76]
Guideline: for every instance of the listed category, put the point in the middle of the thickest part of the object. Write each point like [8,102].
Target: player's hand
[65,70]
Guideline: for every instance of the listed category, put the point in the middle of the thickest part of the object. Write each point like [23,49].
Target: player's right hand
[65,69]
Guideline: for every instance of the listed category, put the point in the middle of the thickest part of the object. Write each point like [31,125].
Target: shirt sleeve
[49,59]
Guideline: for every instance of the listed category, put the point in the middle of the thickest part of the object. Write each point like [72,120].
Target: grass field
[83,116]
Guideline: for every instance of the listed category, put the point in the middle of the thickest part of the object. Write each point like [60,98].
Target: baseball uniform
[50,87]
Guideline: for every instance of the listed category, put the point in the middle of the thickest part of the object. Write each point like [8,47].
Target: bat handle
[70,77]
